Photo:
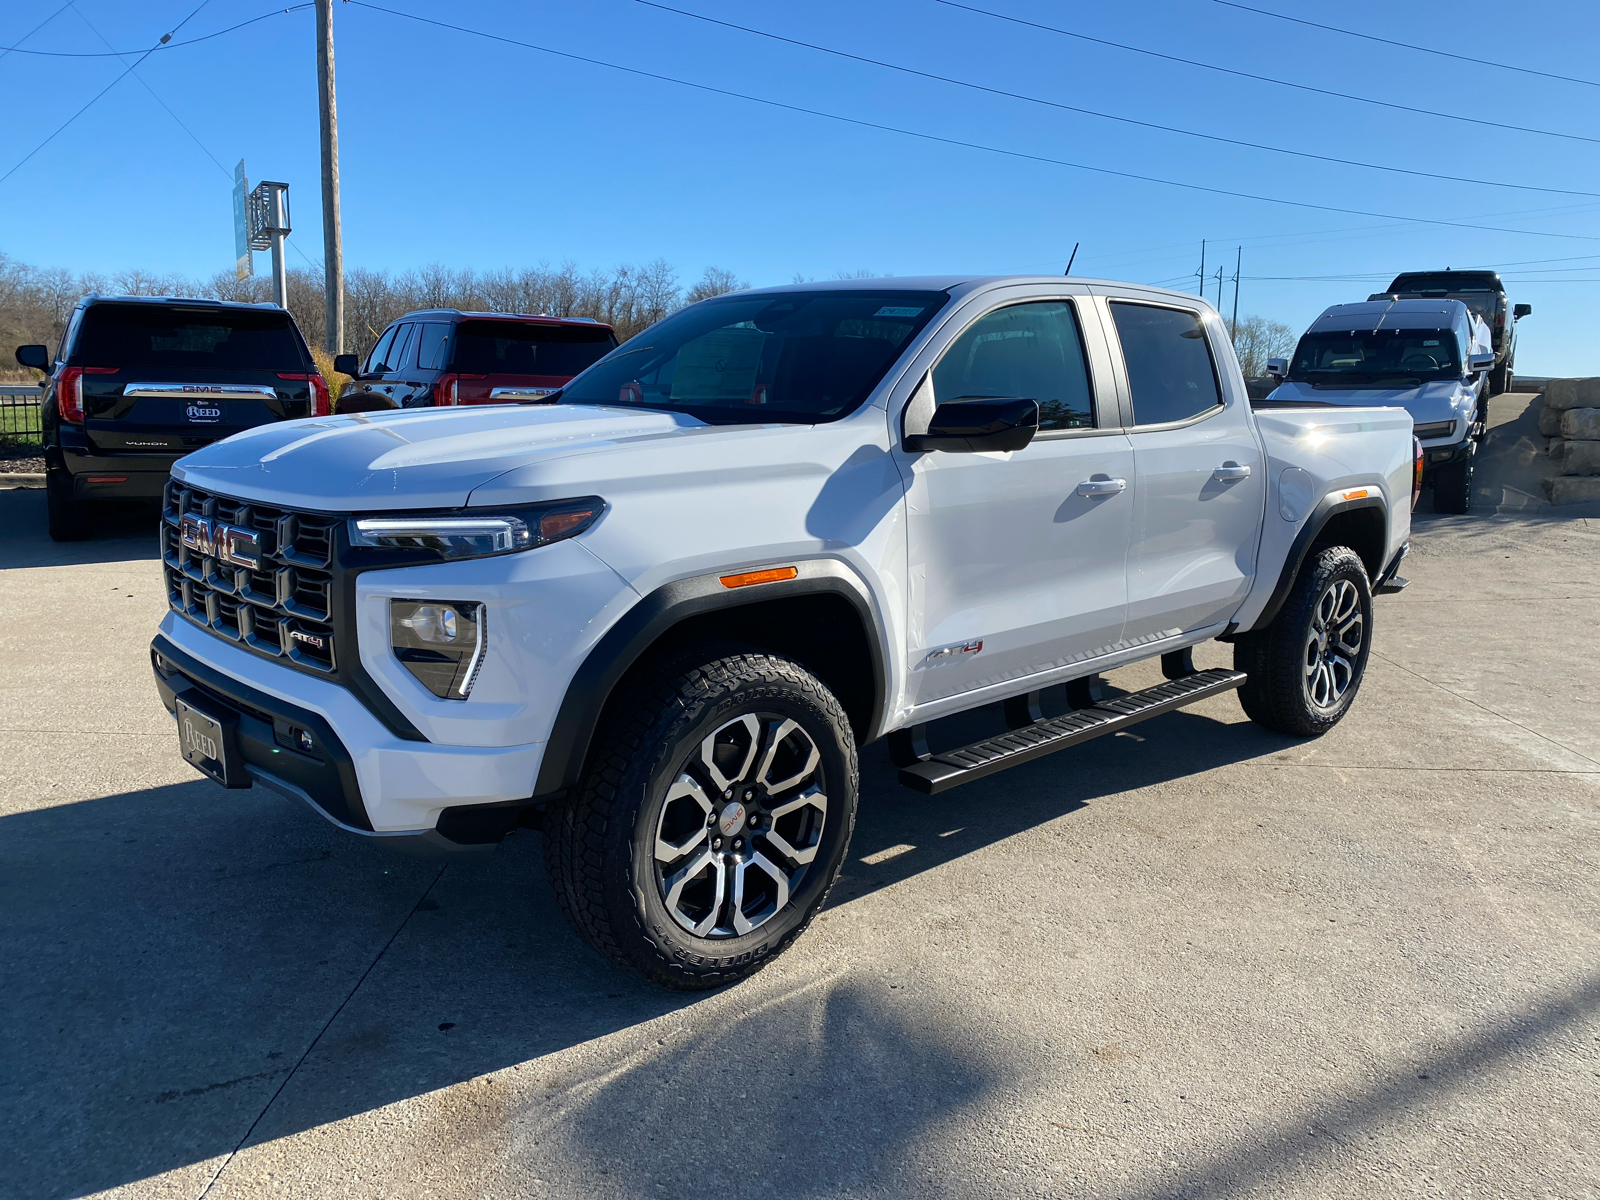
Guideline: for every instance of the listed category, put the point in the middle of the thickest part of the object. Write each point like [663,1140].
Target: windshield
[527,348]
[1386,358]
[796,356]
[162,336]
[1444,283]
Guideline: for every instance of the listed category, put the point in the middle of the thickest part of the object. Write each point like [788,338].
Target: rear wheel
[712,820]
[67,517]
[1452,487]
[1306,667]
[1500,380]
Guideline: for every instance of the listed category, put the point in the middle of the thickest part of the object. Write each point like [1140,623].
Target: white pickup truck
[657,617]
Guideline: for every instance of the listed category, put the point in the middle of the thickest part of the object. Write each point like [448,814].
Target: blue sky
[468,152]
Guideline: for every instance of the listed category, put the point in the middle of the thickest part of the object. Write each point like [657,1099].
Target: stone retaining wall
[1570,418]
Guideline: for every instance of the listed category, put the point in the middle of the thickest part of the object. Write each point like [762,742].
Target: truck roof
[1371,315]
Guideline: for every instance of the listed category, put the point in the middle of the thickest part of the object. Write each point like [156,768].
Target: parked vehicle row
[657,615]
[1437,344]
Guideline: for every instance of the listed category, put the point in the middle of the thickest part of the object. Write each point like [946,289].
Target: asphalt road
[1197,960]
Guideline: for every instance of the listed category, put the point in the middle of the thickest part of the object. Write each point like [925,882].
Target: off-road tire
[66,517]
[601,844]
[1500,380]
[1278,693]
[1452,487]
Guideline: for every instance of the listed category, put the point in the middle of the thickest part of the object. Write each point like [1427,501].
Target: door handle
[1101,487]
[1229,471]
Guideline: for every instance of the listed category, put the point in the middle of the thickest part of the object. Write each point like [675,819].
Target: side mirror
[974,425]
[1518,311]
[346,364]
[37,357]
[1278,367]
[1479,362]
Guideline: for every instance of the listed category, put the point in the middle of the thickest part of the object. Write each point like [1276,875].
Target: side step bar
[949,768]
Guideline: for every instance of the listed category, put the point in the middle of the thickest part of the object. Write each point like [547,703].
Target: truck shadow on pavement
[188,967]
[123,532]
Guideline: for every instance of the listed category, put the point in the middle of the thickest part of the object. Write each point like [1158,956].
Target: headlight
[1435,429]
[462,534]
[440,642]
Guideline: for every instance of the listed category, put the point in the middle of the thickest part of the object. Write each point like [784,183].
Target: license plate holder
[207,742]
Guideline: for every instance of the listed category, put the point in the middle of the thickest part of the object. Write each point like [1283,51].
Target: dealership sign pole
[268,226]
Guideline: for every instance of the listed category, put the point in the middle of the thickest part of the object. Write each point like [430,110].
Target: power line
[950,141]
[13,47]
[1090,112]
[1301,87]
[277,12]
[1477,62]
[166,37]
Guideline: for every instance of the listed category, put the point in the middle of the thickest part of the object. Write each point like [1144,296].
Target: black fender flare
[643,625]
[1325,511]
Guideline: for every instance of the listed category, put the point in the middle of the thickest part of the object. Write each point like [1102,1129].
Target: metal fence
[19,414]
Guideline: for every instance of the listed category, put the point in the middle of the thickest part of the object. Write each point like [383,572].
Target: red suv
[446,356]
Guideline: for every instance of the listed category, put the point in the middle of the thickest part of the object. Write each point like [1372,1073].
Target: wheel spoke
[752,728]
[812,798]
[1350,636]
[686,788]
[741,923]
[775,739]
[674,888]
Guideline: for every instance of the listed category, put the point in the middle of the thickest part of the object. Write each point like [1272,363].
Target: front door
[1202,480]
[1017,560]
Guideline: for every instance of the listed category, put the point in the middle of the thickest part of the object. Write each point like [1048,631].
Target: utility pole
[1202,271]
[1219,291]
[1237,263]
[332,247]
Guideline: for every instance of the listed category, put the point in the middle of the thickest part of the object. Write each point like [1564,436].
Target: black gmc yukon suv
[141,381]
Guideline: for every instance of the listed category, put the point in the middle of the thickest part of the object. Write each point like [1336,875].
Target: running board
[949,768]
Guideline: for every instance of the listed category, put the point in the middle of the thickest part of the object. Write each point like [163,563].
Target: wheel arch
[824,619]
[1362,525]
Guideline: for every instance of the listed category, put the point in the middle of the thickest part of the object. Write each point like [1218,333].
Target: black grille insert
[281,608]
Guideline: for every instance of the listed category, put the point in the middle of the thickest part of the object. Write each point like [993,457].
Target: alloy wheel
[740,826]
[1334,644]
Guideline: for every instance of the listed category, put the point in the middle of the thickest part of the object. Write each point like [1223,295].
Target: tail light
[450,390]
[1416,472]
[69,390]
[321,398]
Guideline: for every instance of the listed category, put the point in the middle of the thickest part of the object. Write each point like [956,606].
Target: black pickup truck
[1484,295]
[140,381]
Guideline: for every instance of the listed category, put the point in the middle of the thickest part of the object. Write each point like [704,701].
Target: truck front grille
[281,605]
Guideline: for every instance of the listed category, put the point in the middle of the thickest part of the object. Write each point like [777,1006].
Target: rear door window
[430,350]
[525,348]
[154,337]
[1030,350]
[1170,372]
[403,353]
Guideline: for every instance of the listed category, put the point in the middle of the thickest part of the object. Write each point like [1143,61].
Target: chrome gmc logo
[213,539]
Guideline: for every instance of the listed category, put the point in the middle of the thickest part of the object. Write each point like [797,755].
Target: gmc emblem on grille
[213,539]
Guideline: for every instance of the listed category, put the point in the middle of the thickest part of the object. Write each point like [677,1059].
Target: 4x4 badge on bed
[213,539]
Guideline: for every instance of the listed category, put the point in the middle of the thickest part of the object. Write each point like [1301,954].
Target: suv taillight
[321,399]
[69,390]
[444,390]
[1416,472]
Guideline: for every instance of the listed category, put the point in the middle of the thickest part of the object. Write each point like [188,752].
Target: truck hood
[413,458]
[1440,400]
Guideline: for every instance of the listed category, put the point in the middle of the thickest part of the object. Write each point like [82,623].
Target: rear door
[1200,499]
[169,378]
[398,375]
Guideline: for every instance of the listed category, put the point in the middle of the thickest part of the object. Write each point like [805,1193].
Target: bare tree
[1258,339]
[717,281]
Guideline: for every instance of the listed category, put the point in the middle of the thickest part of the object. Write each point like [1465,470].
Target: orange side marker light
[770,575]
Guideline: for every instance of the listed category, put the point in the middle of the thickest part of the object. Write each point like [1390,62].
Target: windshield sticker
[891,311]
[1435,342]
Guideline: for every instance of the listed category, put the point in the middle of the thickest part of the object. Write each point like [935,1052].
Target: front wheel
[1452,487]
[1306,667]
[712,819]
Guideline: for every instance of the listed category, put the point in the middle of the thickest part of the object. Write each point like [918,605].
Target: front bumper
[1435,455]
[415,796]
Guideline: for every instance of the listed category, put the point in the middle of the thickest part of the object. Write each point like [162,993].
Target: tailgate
[176,417]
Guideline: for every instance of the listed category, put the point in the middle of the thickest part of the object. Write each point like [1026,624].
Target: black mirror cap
[346,364]
[37,357]
[985,424]
[1518,311]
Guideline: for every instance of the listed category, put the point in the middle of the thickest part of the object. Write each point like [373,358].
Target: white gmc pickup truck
[657,617]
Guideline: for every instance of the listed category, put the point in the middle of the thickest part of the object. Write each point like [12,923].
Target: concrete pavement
[1194,960]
